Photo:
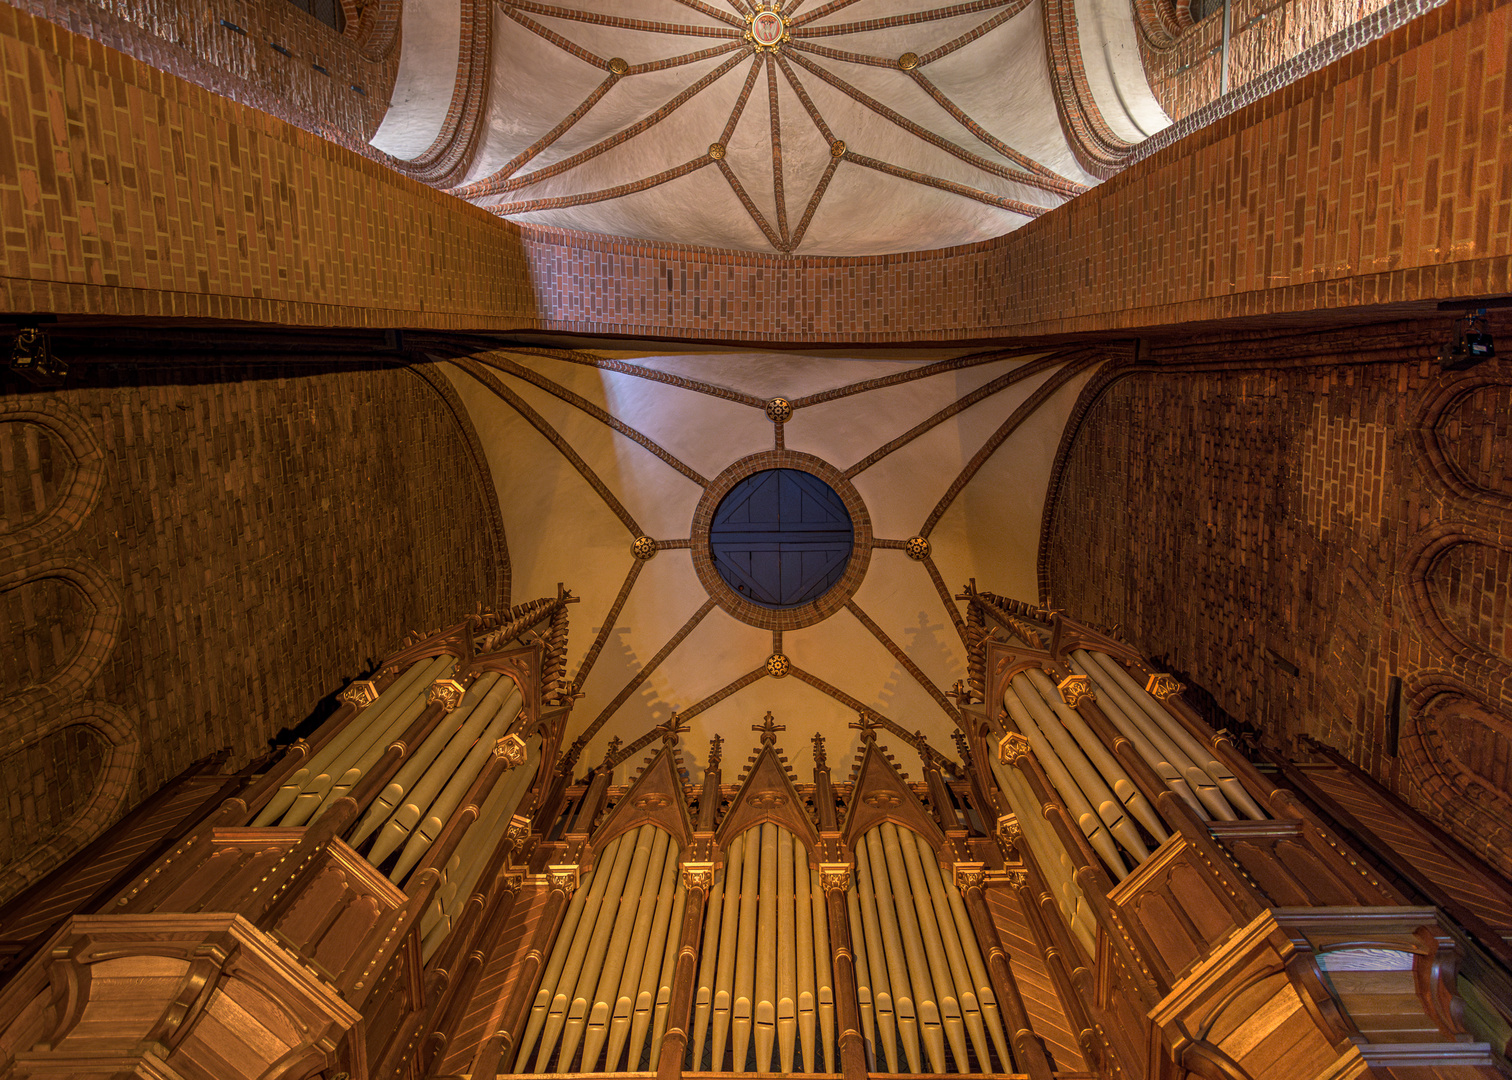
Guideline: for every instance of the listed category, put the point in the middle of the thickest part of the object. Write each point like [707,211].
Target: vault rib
[1002,382]
[591,656]
[750,206]
[939,367]
[560,202]
[937,141]
[645,672]
[621,23]
[819,13]
[715,13]
[537,421]
[1018,416]
[606,418]
[906,661]
[572,356]
[777,195]
[572,48]
[639,127]
[1001,202]
[910,19]
[492,184]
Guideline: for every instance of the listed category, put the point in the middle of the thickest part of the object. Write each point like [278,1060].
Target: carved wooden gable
[1003,661]
[768,794]
[655,798]
[878,794]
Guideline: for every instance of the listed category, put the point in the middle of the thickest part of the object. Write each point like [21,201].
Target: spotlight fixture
[32,358]
[1472,344]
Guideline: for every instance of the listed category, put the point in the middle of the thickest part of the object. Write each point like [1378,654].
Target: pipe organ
[1095,883]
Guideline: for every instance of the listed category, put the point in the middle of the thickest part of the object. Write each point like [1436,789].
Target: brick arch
[105,802]
[1450,791]
[81,494]
[1435,453]
[1466,657]
[25,713]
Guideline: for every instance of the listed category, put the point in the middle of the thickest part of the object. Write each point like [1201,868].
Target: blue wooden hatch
[781,538]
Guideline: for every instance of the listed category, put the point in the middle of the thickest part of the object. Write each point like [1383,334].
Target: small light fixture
[1472,344]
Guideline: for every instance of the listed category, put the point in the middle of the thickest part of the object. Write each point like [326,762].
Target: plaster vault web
[835,128]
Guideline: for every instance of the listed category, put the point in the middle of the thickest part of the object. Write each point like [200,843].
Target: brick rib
[621,23]
[945,598]
[570,47]
[740,103]
[1013,8]
[560,202]
[951,186]
[535,378]
[911,738]
[1007,379]
[906,661]
[813,204]
[493,183]
[639,127]
[1097,148]
[572,356]
[714,13]
[591,657]
[819,12]
[939,367]
[937,141]
[729,690]
[450,154]
[684,58]
[780,199]
[645,672]
[909,19]
[537,421]
[1007,428]
[750,207]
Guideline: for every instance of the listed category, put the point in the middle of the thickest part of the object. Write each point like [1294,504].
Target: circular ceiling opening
[781,538]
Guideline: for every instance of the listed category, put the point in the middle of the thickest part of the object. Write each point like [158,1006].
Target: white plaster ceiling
[560,530]
[917,180]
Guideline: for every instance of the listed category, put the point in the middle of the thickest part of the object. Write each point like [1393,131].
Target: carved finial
[769,729]
[963,745]
[867,726]
[673,728]
[961,692]
[613,748]
[716,752]
[820,762]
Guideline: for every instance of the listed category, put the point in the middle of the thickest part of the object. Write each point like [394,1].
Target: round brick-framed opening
[789,618]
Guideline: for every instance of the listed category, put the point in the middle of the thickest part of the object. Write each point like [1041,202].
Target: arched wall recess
[25,714]
[1459,793]
[81,493]
[1436,448]
[111,787]
[1465,654]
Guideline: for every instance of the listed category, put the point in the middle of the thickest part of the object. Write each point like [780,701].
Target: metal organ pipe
[1077,803]
[745,953]
[926,992]
[351,758]
[636,905]
[785,945]
[397,695]
[874,974]
[1203,756]
[664,976]
[824,970]
[939,925]
[986,998]
[398,807]
[650,967]
[724,978]
[905,1008]
[803,916]
[587,888]
[1179,772]
[434,817]
[703,996]
[1101,758]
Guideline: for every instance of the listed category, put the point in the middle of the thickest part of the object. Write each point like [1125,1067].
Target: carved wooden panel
[196,997]
[1174,902]
[1293,864]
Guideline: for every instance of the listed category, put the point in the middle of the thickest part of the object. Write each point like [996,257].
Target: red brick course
[1376,180]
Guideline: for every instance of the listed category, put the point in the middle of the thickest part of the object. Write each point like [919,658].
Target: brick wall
[1282,537]
[261,534]
[1264,33]
[272,55]
[124,192]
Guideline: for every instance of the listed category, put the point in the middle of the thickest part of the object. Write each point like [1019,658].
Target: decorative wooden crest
[879,794]
[1067,634]
[1003,662]
[455,641]
[768,794]
[656,798]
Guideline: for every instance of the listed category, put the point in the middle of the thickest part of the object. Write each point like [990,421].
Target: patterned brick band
[808,614]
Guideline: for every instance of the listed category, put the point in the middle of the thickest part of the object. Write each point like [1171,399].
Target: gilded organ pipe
[824,971]
[905,1009]
[785,945]
[724,977]
[803,916]
[764,1011]
[645,990]
[926,992]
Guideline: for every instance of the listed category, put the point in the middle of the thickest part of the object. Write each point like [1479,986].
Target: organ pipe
[1100,756]
[745,952]
[587,889]
[939,925]
[899,965]
[875,975]
[803,916]
[703,998]
[785,945]
[664,977]
[1178,770]
[635,909]
[725,971]
[398,692]
[649,968]
[864,979]
[824,971]
[927,1005]
[1204,758]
